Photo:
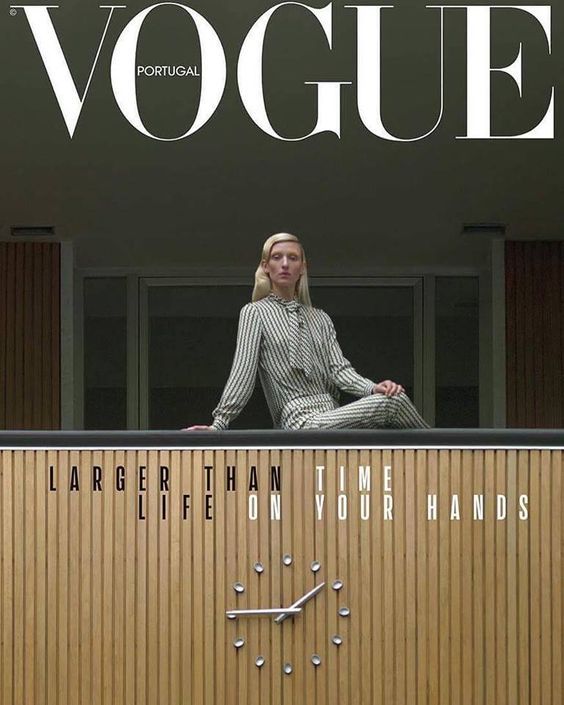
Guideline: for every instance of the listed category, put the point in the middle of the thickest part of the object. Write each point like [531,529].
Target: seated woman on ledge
[295,350]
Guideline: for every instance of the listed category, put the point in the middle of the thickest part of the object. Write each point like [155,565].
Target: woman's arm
[341,371]
[243,374]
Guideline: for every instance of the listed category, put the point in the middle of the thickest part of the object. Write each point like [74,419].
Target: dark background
[208,200]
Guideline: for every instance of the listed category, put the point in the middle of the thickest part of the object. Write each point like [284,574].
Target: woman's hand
[388,388]
[197,428]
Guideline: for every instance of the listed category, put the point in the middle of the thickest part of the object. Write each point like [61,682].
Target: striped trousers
[374,411]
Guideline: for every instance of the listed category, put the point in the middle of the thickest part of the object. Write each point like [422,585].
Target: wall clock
[285,613]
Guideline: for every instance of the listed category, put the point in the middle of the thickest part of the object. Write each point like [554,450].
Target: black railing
[421,438]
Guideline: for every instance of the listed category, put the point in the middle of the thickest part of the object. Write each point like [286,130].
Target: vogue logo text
[213,70]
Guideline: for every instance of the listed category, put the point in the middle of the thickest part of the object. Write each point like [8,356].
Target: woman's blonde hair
[262,280]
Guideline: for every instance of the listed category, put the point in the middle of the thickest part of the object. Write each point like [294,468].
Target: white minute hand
[298,603]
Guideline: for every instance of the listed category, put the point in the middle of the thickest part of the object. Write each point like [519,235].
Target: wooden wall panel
[29,335]
[98,605]
[535,334]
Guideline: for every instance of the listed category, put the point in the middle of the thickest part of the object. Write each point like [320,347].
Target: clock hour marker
[337,585]
[238,587]
[316,660]
[344,611]
[259,661]
[288,668]
[337,640]
[315,566]
[287,559]
[238,643]
[259,568]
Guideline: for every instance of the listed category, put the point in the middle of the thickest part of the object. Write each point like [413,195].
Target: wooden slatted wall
[100,607]
[534,275]
[29,335]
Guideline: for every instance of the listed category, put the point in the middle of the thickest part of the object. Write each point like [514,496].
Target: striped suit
[294,348]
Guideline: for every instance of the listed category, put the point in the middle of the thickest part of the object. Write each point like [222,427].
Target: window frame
[491,321]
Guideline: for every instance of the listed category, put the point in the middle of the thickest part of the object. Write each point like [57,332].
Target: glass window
[105,353]
[374,327]
[192,335]
[457,352]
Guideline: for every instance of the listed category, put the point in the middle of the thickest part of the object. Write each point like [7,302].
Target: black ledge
[421,438]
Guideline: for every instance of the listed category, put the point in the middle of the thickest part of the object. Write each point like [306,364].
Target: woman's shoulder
[318,314]
[249,310]
[257,311]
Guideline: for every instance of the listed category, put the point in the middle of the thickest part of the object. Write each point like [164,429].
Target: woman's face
[285,265]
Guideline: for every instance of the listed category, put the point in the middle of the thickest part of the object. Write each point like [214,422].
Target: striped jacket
[294,348]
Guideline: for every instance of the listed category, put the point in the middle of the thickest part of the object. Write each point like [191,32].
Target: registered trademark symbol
[13,12]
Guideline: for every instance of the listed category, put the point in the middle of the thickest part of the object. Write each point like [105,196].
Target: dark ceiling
[208,200]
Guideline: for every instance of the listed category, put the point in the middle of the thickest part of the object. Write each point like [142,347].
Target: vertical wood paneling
[38,525]
[74,584]
[310,549]
[6,565]
[535,334]
[3,330]
[535,580]
[557,578]
[546,596]
[29,335]
[87,543]
[343,688]
[322,607]
[399,609]
[432,594]
[478,570]
[276,551]
[10,339]
[286,580]
[120,572]
[264,626]
[444,584]
[19,575]
[100,606]
[467,684]
[62,592]
[355,567]
[512,579]
[500,547]
[299,585]
[525,543]
[254,580]
[130,603]
[452,470]
[387,568]
[332,672]
[231,575]
[197,580]
[52,582]
[490,656]
[18,336]
[410,577]
[163,583]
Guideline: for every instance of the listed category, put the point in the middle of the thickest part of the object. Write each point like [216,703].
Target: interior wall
[29,336]
[535,334]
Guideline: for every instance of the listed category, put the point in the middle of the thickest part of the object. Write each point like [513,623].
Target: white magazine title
[213,69]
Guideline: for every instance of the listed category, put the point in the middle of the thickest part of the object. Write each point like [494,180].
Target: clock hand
[258,612]
[298,603]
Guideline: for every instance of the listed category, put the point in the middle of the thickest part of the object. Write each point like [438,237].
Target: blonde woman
[294,348]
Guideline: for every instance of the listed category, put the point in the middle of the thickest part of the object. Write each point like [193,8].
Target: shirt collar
[291,303]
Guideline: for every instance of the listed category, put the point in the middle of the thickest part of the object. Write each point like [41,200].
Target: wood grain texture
[30,335]
[534,281]
[106,600]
